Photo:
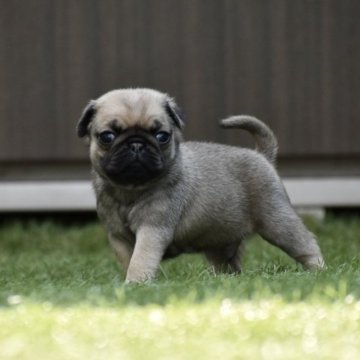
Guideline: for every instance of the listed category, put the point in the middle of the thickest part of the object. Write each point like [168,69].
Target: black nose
[136,146]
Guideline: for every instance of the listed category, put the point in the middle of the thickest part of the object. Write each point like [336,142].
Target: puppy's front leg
[123,251]
[149,248]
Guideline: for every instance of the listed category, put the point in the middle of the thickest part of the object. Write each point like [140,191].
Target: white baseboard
[79,196]
[47,196]
[324,192]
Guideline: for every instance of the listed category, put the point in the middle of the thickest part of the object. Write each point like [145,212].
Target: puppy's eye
[107,137]
[162,137]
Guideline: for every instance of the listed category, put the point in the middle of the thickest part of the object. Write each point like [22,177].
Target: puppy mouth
[133,162]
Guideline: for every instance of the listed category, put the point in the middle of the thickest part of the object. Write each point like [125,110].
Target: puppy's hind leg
[282,227]
[226,260]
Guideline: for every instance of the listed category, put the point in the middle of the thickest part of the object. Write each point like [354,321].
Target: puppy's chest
[114,216]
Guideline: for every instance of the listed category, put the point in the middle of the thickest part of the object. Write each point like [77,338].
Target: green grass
[62,297]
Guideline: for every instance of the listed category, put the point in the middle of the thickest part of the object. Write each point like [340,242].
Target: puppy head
[134,135]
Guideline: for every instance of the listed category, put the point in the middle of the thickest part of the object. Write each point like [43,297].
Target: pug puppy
[158,196]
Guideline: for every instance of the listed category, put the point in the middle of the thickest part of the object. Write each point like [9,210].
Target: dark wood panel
[297,67]
[294,64]
[26,94]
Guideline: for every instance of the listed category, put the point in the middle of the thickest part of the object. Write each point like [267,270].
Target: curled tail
[265,139]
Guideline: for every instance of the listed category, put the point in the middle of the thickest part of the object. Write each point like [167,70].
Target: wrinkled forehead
[131,108]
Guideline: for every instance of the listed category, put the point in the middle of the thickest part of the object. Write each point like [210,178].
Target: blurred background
[294,64]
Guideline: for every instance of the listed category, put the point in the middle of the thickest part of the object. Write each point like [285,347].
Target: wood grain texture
[294,64]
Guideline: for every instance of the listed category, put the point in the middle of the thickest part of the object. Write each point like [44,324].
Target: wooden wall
[295,64]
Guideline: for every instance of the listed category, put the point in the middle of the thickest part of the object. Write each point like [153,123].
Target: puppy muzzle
[133,162]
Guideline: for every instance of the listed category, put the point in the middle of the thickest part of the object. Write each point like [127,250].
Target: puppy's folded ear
[174,112]
[87,115]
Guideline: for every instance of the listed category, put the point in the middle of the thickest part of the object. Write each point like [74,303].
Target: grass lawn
[62,297]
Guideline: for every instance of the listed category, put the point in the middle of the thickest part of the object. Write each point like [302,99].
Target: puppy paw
[312,262]
[139,278]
